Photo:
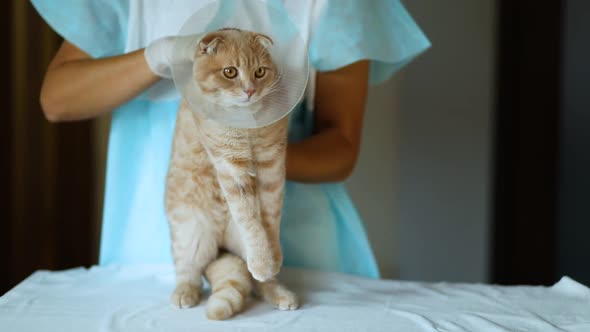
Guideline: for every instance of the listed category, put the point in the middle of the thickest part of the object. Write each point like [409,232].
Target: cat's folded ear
[264,40]
[210,43]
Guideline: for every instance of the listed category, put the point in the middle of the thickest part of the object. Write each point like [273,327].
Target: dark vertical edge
[526,142]
[501,197]
[75,204]
[34,226]
[6,151]
[572,234]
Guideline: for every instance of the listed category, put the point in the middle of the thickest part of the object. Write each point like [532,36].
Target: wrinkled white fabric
[136,298]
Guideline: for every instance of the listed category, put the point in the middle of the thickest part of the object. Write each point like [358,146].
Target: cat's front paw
[263,268]
[185,296]
[285,300]
[279,296]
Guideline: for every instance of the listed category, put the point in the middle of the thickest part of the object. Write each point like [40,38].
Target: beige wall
[373,183]
[422,184]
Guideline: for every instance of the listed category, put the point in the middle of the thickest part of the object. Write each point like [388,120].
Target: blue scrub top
[320,228]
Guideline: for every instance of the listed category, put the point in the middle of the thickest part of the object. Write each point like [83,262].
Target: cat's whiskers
[274,88]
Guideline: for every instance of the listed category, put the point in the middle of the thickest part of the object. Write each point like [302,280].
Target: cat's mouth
[237,101]
[247,100]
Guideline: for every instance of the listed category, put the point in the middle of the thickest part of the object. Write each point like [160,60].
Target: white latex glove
[163,53]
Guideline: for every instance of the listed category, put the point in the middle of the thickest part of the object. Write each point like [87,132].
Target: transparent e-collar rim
[289,53]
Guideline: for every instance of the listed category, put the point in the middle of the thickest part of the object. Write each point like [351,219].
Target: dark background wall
[573,241]
[526,143]
[47,187]
[542,145]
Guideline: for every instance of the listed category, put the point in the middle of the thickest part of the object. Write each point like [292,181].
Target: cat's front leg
[269,150]
[270,185]
[239,188]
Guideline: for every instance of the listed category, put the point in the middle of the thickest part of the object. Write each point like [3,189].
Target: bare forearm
[324,157]
[85,88]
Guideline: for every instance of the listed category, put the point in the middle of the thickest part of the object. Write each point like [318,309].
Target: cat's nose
[249,92]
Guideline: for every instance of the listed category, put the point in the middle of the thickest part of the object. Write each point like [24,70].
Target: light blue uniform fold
[320,227]
[380,30]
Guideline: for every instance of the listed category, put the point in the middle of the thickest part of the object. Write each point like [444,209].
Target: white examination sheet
[135,298]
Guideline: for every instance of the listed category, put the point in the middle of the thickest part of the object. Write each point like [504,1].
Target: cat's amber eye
[260,72]
[230,72]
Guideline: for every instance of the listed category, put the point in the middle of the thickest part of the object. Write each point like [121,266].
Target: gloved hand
[163,53]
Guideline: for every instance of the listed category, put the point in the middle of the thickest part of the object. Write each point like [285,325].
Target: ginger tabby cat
[224,189]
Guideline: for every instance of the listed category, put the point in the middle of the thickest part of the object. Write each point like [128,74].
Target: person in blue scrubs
[100,68]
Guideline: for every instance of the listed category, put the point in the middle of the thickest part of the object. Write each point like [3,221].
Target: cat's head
[234,67]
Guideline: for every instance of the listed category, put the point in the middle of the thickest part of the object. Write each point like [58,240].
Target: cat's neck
[229,113]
